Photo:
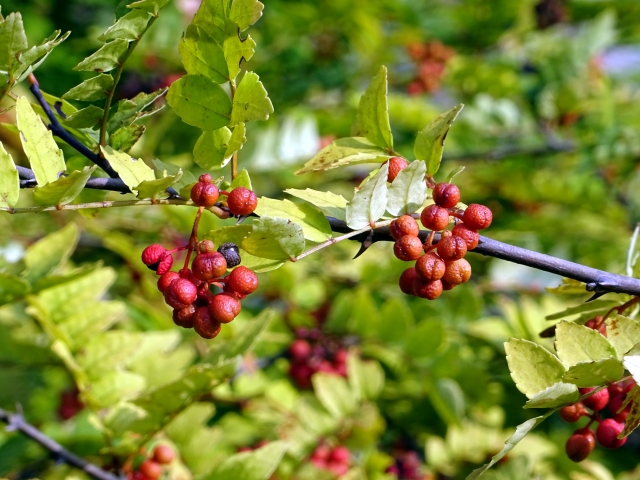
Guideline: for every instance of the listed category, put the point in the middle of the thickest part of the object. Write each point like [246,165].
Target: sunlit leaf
[9,180]
[373,113]
[576,343]
[132,172]
[250,101]
[237,50]
[345,151]
[255,465]
[334,393]
[556,395]
[369,203]
[246,12]
[202,55]
[242,180]
[328,202]
[107,58]
[275,238]
[430,140]
[64,190]
[623,333]
[532,367]
[210,151]
[44,256]
[313,223]
[158,187]
[200,102]
[408,191]
[152,6]
[594,373]
[128,27]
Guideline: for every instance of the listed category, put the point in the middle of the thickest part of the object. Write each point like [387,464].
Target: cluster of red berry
[70,404]
[188,291]
[336,459]
[430,59]
[407,466]
[583,440]
[151,468]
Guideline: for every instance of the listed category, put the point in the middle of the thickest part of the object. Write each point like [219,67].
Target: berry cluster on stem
[151,468]
[336,459]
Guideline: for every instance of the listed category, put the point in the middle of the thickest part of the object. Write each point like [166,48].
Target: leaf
[236,50]
[202,55]
[365,377]
[275,238]
[430,140]
[313,223]
[246,12]
[168,169]
[200,102]
[328,203]
[242,180]
[345,151]
[120,418]
[30,60]
[633,420]
[12,40]
[210,151]
[152,6]
[48,253]
[408,191]
[132,172]
[130,110]
[128,27]
[532,367]
[213,17]
[373,112]
[585,307]
[236,141]
[242,341]
[250,101]
[85,118]
[632,363]
[91,320]
[116,386]
[65,189]
[592,374]
[125,138]
[9,179]
[576,343]
[95,88]
[158,187]
[448,399]
[521,431]
[12,287]
[108,352]
[334,394]
[107,58]
[369,203]
[180,430]
[46,159]
[623,333]
[256,465]
[556,395]
[453,173]
[425,339]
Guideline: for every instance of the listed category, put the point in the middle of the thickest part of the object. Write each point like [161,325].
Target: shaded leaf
[592,374]
[633,420]
[373,112]
[532,367]
[128,27]
[107,58]
[576,344]
[168,169]
[12,40]
[313,223]
[132,172]
[246,12]
[425,339]
[200,102]
[242,341]
[345,151]
[85,118]
[114,387]
[250,101]
[48,253]
[366,378]
[334,394]
[130,110]
[408,191]
[158,187]
[90,321]
[9,180]
[369,203]
[556,395]
[64,190]
[585,307]
[202,55]
[430,140]
[12,287]
[152,6]
[210,151]
[258,464]
[328,203]
[236,141]
[275,238]
[95,88]
[236,50]
[125,138]
[32,58]
[448,399]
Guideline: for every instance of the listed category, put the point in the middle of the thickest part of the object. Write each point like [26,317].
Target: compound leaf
[200,102]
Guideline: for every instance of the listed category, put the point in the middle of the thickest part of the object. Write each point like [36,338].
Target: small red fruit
[152,254]
[167,279]
[457,272]
[407,248]
[224,307]
[477,217]
[404,225]
[163,454]
[183,317]
[452,248]
[340,454]
[430,267]
[207,266]
[206,246]
[396,165]
[471,237]
[607,433]
[181,293]
[204,325]
[434,218]
[204,194]
[428,290]
[165,264]
[615,404]
[580,444]
[406,280]
[446,195]
[572,413]
[300,349]
[150,469]
[243,281]
[242,201]
[597,401]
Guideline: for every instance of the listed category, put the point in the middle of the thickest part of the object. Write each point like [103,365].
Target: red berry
[607,433]
[204,194]
[580,444]
[452,248]
[206,246]
[430,267]
[457,272]
[151,469]
[337,468]
[404,225]
[204,325]
[407,248]
[181,293]
[243,281]
[471,237]
[597,401]
[406,280]
[167,279]
[165,264]
[224,307]
[183,317]
[207,266]
[446,195]
[615,404]
[396,165]
[300,349]
[434,218]
[242,201]
[163,454]
[428,290]
[340,454]
[477,217]
[152,255]
[205,178]
[572,413]
[341,356]
[321,452]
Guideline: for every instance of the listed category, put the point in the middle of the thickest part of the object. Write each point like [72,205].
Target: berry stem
[193,239]
[234,157]
[621,308]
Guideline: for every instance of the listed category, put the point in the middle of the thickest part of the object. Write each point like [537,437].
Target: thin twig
[234,157]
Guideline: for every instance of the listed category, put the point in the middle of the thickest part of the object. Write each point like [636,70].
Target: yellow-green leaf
[64,190]
[9,180]
[430,140]
[132,172]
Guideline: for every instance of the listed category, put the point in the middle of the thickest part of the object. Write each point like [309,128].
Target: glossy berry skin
[204,194]
[572,413]
[406,280]
[428,290]
[150,469]
[404,225]
[183,317]
[204,325]
[231,253]
[430,267]
[434,218]
[580,444]
[452,248]
[224,308]
[165,264]
[207,266]
[300,349]
[470,236]
[152,255]
[607,433]
[242,201]
[457,272]
[167,279]
[446,195]
[163,454]
[477,217]
[243,281]
[396,165]
[206,246]
[181,293]
[407,248]
[597,401]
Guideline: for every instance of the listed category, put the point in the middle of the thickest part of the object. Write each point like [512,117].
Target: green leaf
[85,118]
[585,307]
[151,6]
[202,55]
[132,172]
[107,58]
[453,173]
[64,190]
[213,17]
[180,430]
[95,88]
[90,321]
[275,238]
[633,420]
[532,367]
[236,141]
[108,351]
[242,341]
[592,374]
[256,465]
[48,253]
[576,344]
[12,40]
[46,159]
[448,399]
[116,386]
[366,378]
[125,138]
[250,101]
[120,418]
[130,110]
[31,59]
[210,151]
[168,169]
[425,339]
[128,27]
[9,179]
[242,180]
[246,12]
[623,333]
[373,112]
[396,321]
[556,395]
[12,287]
[370,202]
[408,191]
[430,140]
[334,394]
[236,49]
[314,225]
[158,187]
[200,102]
[345,151]
[328,203]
